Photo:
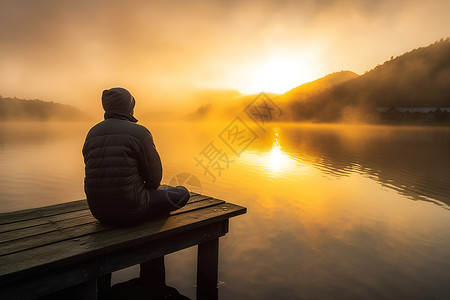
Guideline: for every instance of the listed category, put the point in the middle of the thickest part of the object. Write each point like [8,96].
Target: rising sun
[278,74]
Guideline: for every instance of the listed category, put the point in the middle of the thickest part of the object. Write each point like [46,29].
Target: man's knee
[179,196]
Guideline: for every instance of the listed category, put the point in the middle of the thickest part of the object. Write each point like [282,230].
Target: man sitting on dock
[123,172]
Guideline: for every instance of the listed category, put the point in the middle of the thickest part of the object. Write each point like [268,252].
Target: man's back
[121,166]
[123,171]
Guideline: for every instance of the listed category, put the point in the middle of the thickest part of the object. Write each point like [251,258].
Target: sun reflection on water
[274,162]
[277,158]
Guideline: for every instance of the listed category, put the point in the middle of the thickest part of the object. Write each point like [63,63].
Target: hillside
[419,78]
[13,109]
[309,89]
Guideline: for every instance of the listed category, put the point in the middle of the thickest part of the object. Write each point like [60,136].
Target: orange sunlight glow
[280,73]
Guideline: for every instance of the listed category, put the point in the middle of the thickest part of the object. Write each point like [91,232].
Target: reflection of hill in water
[414,161]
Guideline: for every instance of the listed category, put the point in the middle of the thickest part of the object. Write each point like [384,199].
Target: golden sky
[69,51]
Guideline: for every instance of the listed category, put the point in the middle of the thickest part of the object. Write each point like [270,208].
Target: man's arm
[150,168]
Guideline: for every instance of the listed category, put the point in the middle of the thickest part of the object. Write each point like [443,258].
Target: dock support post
[86,290]
[103,285]
[207,270]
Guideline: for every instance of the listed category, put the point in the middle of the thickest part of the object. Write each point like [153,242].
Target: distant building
[414,114]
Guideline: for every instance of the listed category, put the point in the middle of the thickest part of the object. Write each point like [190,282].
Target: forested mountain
[419,78]
[13,109]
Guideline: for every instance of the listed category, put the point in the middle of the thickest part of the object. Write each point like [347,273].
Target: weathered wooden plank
[43,215]
[74,250]
[43,283]
[57,234]
[44,228]
[48,222]
[190,206]
[198,197]
[35,237]
[43,220]
[45,211]
[56,209]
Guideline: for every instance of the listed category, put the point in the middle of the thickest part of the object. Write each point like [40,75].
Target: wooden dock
[63,247]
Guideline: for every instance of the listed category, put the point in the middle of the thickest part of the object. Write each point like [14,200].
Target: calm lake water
[334,212]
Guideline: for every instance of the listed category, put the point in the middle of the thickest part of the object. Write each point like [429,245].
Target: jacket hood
[118,100]
[119,115]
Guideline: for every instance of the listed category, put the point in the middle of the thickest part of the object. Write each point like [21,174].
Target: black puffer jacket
[121,165]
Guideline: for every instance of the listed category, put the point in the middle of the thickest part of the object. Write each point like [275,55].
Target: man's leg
[163,201]
[178,196]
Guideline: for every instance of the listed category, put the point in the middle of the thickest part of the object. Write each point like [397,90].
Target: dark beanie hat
[118,99]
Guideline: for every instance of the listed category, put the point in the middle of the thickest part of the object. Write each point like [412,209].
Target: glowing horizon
[68,52]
